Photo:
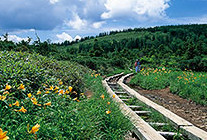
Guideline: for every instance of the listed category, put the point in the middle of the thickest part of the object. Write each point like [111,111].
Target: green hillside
[183,46]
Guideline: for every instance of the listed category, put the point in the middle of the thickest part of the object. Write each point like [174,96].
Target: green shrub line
[187,84]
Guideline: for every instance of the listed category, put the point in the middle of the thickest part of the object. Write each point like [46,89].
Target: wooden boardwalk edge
[142,129]
[189,129]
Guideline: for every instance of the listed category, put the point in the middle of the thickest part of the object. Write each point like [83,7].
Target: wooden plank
[120,96]
[168,134]
[189,129]
[171,116]
[194,132]
[142,112]
[142,129]
[158,124]
[121,92]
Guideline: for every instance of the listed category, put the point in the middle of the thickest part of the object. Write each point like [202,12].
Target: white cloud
[76,22]
[16,38]
[54,1]
[140,9]
[97,25]
[64,36]
[77,37]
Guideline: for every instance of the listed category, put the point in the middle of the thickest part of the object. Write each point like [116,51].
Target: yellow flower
[8,87]
[3,135]
[38,92]
[47,92]
[22,109]
[76,99]
[70,88]
[195,77]
[35,102]
[108,103]
[51,88]
[16,103]
[60,82]
[163,68]
[61,91]
[21,87]
[56,91]
[108,112]
[66,92]
[82,94]
[56,88]
[35,128]
[10,105]
[48,104]
[102,96]
[114,96]
[29,95]
[2,98]
[6,92]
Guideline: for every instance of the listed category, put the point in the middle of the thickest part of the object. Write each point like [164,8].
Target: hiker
[137,66]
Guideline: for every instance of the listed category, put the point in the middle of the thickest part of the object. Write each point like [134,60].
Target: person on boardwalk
[137,65]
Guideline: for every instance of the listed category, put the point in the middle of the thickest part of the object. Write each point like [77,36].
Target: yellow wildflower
[56,88]
[48,104]
[16,103]
[60,82]
[51,88]
[3,135]
[163,68]
[22,109]
[70,88]
[66,92]
[6,92]
[29,95]
[108,103]
[47,92]
[2,98]
[102,96]
[10,105]
[114,96]
[82,94]
[21,87]
[195,77]
[61,91]
[8,87]
[76,99]
[56,91]
[35,128]
[35,102]
[38,92]
[108,112]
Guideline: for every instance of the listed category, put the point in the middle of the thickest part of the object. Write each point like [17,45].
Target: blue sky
[61,20]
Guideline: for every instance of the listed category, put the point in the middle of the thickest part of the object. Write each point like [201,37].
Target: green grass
[187,84]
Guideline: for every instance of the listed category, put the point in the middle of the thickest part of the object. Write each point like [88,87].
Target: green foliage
[187,84]
[66,118]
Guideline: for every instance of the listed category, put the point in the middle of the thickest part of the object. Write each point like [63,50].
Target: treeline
[183,46]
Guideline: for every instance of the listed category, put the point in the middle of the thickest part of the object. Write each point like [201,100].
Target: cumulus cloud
[65,36]
[16,38]
[97,25]
[54,1]
[140,9]
[76,22]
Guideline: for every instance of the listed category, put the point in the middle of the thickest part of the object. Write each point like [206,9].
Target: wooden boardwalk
[141,128]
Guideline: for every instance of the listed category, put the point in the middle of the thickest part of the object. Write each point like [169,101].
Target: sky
[60,20]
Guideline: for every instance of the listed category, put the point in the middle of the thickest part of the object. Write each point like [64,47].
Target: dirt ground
[194,113]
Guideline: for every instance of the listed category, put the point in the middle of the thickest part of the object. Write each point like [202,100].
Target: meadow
[42,98]
[187,84]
